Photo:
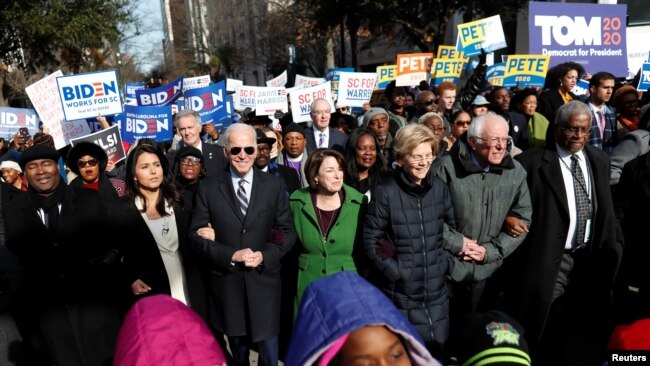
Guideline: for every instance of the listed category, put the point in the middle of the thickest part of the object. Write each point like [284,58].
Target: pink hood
[159,330]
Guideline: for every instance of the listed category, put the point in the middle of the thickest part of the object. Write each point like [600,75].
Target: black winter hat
[86,148]
[38,152]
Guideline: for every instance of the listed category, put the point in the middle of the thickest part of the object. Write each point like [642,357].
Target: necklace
[329,222]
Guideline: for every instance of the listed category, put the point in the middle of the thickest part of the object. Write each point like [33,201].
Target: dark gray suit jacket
[337,140]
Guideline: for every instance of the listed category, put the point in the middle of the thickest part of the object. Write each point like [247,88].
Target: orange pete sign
[413,68]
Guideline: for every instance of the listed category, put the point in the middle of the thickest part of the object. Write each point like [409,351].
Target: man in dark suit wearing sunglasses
[253,230]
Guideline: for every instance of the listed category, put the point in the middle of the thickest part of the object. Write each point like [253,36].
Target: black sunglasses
[82,163]
[249,150]
[428,102]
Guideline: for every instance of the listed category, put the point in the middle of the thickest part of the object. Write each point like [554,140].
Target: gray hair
[187,112]
[478,124]
[566,110]
[239,127]
[428,115]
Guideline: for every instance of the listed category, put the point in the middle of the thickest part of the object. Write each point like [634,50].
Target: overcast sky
[147,47]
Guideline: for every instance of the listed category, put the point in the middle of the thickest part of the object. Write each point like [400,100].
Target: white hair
[478,124]
[239,127]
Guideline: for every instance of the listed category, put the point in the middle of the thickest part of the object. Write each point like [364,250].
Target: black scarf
[49,204]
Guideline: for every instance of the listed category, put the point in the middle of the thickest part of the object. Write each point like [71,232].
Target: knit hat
[188,151]
[8,164]
[492,338]
[293,127]
[371,113]
[622,90]
[86,148]
[38,152]
[480,100]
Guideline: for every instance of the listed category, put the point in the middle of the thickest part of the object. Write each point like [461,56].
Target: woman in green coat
[326,216]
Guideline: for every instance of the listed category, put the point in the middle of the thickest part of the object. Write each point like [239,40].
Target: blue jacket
[323,318]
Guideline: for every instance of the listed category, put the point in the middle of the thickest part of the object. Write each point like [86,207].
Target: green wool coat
[320,257]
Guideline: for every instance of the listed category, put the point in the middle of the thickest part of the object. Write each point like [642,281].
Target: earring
[316,181]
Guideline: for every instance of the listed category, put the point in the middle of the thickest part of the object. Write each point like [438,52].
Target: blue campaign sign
[593,35]
[209,102]
[494,74]
[581,88]
[644,81]
[95,126]
[147,122]
[163,95]
[12,119]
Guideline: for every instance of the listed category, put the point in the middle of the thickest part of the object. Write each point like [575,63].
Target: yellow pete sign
[413,68]
[450,52]
[385,74]
[446,69]
[486,34]
[526,70]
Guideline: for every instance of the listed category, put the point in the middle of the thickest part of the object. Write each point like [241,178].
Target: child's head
[375,345]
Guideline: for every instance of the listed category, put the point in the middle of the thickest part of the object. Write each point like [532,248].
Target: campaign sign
[244,96]
[280,80]
[385,74]
[525,70]
[302,99]
[162,95]
[270,100]
[644,81]
[45,98]
[147,122]
[109,140]
[307,81]
[232,84]
[95,126]
[12,119]
[413,68]
[450,52]
[333,76]
[581,88]
[355,88]
[446,69]
[593,34]
[196,82]
[486,34]
[209,102]
[129,92]
[494,74]
[89,94]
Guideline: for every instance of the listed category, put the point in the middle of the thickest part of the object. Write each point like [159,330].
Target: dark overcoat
[243,301]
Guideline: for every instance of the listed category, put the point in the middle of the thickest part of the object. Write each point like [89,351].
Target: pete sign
[591,34]
[87,95]
[162,95]
[486,34]
[413,68]
[147,122]
[355,88]
[385,74]
[446,69]
[525,70]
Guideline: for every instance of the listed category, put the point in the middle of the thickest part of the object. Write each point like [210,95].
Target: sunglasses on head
[82,163]
[249,150]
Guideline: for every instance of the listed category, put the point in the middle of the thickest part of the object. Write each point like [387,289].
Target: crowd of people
[460,212]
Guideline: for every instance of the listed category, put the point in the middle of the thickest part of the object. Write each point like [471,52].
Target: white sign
[302,99]
[355,88]
[196,82]
[44,95]
[89,94]
[265,101]
[231,84]
[280,80]
[244,97]
[305,80]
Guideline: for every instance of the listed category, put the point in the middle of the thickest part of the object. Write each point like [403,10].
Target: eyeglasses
[249,150]
[420,159]
[190,160]
[439,129]
[427,102]
[464,123]
[494,141]
[263,148]
[82,163]
[319,113]
[576,131]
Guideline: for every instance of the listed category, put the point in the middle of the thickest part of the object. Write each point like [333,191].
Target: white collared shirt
[317,134]
[567,176]
[248,185]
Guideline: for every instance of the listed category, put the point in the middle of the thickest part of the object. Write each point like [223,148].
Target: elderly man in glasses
[253,227]
[320,134]
[188,125]
[485,185]
[568,262]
